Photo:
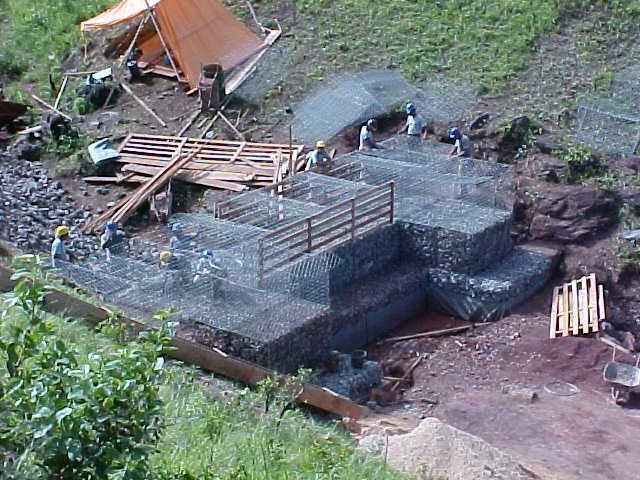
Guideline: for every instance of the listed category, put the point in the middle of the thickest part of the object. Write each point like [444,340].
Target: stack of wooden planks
[228,165]
[125,208]
[577,307]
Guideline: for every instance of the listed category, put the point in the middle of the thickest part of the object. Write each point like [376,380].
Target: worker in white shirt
[415,126]
[366,136]
[59,246]
[318,157]
[462,145]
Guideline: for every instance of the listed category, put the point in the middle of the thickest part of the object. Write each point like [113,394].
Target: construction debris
[228,165]
[121,212]
[577,307]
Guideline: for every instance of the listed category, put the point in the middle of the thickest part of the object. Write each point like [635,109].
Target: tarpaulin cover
[198,32]
[120,13]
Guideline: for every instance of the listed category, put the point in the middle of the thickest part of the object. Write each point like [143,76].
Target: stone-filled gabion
[456,251]
[365,256]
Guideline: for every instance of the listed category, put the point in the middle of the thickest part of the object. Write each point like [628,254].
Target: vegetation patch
[81,404]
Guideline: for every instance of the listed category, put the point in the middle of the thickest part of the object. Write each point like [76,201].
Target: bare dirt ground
[483,381]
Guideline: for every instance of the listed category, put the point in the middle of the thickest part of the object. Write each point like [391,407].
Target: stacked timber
[228,165]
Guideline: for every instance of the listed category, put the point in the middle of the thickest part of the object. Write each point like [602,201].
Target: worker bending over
[59,246]
[415,126]
[206,267]
[109,238]
[462,145]
[366,136]
[319,157]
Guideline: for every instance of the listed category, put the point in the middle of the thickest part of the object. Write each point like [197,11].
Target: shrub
[581,162]
[70,417]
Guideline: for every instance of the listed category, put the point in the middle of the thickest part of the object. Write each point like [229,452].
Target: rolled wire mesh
[350,99]
[610,123]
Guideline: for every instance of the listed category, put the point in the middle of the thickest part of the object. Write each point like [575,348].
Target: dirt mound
[437,450]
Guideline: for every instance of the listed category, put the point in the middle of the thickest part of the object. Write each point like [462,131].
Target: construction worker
[366,135]
[462,144]
[165,258]
[58,246]
[109,238]
[206,267]
[415,126]
[318,157]
[177,237]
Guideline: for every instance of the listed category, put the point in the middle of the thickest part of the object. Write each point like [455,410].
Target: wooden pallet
[577,307]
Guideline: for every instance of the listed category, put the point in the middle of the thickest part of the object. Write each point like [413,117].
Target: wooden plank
[593,301]
[214,175]
[553,323]
[270,146]
[189,122]
[199,178]
[238,77]
[575,309]
[565,310]
[584,305]
[61,92]
[212,360]
[197,164]
[601,312]
[432,333]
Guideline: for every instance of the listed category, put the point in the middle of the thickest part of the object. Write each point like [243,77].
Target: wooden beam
[61,92]
[189,122]
[433,333]
[142,104]
[50,107]
[135,39]
[161,37]
[239,77]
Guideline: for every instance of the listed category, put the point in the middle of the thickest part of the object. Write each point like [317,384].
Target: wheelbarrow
[624,378]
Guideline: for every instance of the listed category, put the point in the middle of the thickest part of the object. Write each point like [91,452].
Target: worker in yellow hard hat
[319,157]
[58,246]
[165,258]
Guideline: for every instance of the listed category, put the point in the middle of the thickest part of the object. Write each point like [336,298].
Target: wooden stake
[255,18]
[231,125]
[135,38]
[62,87]
[434,333]
[407,375]
[164,44]
[50,107]
[187,125]
[142,104]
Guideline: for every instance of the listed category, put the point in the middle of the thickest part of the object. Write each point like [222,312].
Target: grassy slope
[229,436]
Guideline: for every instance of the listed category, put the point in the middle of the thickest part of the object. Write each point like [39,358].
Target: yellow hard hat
[61,231]
[320,144]
[165,257]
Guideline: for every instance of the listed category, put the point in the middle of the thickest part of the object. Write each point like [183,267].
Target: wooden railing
[333,226]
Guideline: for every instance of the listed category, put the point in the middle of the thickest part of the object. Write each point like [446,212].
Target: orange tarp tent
[197,32]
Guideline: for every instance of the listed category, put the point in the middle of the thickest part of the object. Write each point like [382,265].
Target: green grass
[485,42]
[227,435]
[37,35]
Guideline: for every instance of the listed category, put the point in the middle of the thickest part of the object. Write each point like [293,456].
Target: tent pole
[135,39]
[164,44]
